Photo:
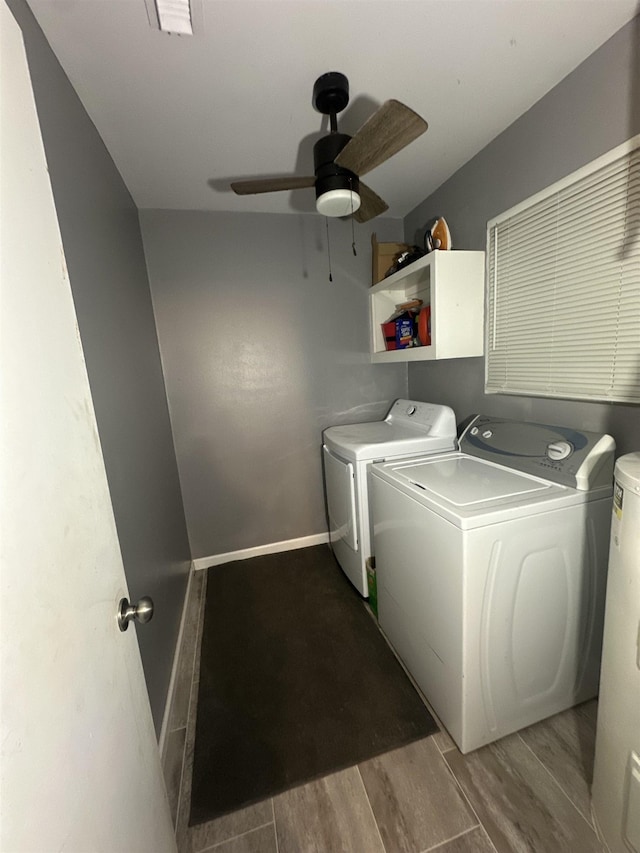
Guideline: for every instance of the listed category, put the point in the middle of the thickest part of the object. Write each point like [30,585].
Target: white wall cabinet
[452,283]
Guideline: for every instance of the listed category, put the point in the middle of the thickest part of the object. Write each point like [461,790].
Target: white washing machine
[491,571]
[348,451]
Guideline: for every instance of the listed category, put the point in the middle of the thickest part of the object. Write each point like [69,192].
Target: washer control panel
[576,458]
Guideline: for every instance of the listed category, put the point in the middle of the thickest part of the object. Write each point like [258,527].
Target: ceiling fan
[340,160]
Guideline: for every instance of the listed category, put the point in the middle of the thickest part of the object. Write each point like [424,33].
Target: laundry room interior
[224,333]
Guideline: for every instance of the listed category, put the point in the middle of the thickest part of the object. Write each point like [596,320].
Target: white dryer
[491,572]
[410,427]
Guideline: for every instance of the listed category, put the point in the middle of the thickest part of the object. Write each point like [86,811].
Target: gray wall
[591,111]
[104,254]
[260,353]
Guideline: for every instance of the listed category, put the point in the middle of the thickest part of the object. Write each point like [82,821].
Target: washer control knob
[558,450]
[474,430]
[411,410]
[487,433]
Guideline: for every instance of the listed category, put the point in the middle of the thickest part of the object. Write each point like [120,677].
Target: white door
[80,764]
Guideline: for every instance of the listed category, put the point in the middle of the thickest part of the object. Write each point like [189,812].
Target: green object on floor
[373,586]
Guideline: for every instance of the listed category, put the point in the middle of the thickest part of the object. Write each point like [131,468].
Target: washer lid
[466,482]
[472,492]
[381,440]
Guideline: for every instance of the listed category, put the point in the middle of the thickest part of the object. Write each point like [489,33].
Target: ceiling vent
[171,16]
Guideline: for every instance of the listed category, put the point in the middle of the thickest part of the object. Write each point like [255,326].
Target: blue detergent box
[400,332]
[404,331]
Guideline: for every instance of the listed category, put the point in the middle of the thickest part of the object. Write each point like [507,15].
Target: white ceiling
[182,116]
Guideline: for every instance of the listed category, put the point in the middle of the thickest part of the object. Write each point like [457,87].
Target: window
[563,287]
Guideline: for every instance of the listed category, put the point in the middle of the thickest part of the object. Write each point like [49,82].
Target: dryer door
[341,499]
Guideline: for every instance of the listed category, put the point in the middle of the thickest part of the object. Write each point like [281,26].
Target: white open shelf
[453,284]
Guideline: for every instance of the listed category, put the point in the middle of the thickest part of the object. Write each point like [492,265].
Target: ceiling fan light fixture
[338,202]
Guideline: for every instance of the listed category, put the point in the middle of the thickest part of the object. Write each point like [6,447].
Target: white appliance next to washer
[491,572]
[348,451]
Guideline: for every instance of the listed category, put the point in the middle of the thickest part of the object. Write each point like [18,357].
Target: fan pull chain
[328,247]
[353,233]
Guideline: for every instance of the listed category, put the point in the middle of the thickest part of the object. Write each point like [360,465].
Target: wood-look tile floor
[527,792]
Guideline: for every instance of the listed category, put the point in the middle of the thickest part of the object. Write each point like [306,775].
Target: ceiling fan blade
[389,130]
[271,185]
[370,205]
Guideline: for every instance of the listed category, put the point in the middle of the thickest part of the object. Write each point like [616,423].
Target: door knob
[141,612]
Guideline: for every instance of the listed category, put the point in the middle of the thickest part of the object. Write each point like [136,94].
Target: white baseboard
[272,548]
[174,669]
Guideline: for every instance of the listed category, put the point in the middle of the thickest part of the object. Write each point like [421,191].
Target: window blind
[563,287]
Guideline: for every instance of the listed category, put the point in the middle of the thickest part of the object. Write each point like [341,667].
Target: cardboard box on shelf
[384,255]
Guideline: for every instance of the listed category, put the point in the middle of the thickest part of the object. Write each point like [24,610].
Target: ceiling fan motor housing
[328,175]
[331,93]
